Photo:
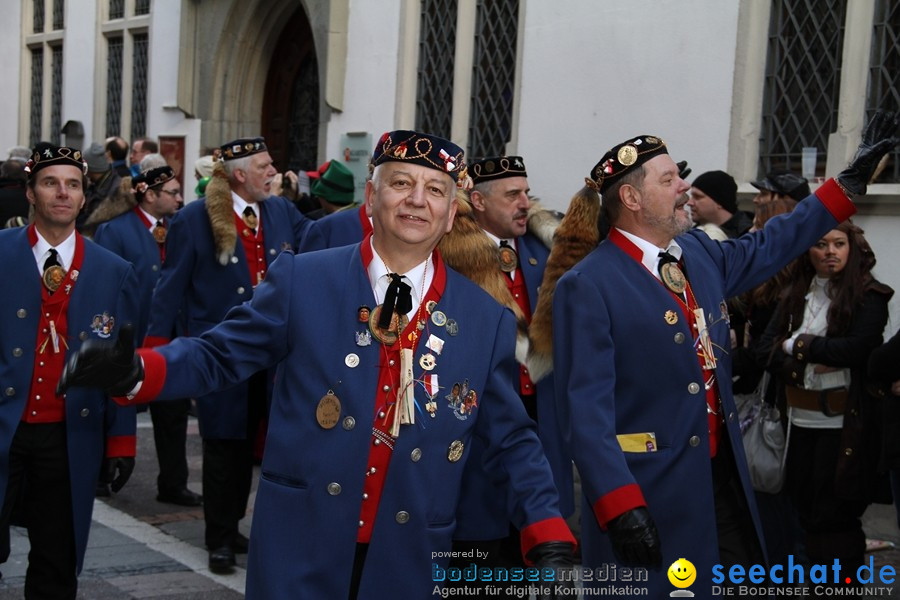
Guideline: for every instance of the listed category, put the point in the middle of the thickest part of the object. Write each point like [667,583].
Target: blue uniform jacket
[128,237]
[342,228]
[106,283]
[623,369]
[305,520]
[193,279]
[485,516]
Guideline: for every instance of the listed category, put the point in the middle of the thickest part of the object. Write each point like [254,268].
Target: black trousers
[228,472]
[832,525]
[39,476]
[170,435]
[227,476]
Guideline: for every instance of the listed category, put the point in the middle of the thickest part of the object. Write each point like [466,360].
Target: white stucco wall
[371,73]
[164,118]
[597,72]
[80,46]
[11,51]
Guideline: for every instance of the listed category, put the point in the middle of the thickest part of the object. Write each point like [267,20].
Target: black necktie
[397,298]
[250,219]
[664,259]
[52,260]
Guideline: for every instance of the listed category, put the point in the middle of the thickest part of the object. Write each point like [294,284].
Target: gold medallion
[455,451]
[390,335]
[53,277]
[627,155]
[328,412]
[509,260]
[672,277]
[671,317]
[159,234]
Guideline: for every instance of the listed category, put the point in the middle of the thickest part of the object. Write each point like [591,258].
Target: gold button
[799,356]
[848,451]
[799,343]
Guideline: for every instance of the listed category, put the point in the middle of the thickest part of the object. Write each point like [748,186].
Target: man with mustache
[501,204]
[643,379]
[218,250]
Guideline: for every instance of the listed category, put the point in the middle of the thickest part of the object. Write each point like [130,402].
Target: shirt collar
[650,252]
[150,218]
[379,280]
[240,204]
[497,240]
[66,250]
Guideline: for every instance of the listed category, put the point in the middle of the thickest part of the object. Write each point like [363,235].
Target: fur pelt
[575,237]
[469,250]
[220,209]
[120,202]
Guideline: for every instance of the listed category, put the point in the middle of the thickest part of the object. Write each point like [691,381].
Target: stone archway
[290,109]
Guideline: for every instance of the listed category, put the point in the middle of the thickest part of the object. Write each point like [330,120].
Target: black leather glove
[683,169]
[111,366]
[124,465]
[556,556]
[882,135]
[635,540]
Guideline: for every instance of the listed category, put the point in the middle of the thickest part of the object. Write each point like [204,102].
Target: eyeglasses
[173,193]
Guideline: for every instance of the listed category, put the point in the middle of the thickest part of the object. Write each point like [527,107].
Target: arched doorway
[290,112]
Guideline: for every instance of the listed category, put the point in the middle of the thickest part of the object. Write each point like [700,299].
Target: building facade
[738,85]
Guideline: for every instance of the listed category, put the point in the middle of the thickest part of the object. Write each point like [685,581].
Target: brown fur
[220,208]
[575,237]
[121,201]
[467,249]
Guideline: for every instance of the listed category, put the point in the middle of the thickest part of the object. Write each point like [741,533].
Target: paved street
[140,548]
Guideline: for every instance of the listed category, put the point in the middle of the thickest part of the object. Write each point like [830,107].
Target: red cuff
[616,502]
[121,445]
[835,201]
[151,341]
[154,375]
[553,529]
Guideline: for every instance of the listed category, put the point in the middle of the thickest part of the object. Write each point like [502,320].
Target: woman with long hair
[829,319]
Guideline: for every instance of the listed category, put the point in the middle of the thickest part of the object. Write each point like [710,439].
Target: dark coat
[857,472]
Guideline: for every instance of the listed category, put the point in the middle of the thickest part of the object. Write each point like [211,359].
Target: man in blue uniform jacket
[340,228]
[218,250]
[507,220]
[643,378]
[139,236]
[61,290]
[374,411]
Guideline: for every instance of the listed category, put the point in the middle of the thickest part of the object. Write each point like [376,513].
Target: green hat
[335,185]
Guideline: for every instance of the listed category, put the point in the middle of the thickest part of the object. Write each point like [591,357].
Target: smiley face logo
[682,573]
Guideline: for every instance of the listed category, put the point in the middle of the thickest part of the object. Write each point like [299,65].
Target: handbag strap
[787,438]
